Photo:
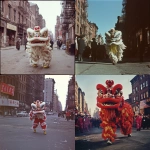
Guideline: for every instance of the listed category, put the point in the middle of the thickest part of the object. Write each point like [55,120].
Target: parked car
[22,114]
[50,113]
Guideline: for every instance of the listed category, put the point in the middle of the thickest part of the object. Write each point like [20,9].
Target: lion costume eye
[30,35]
[45,34]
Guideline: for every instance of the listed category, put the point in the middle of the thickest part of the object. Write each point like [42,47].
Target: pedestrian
[144,122]
[18,43]
[76,46]
[138,122]
[81,48]
[51,42]
[80,123]
[94,50]
[58,44]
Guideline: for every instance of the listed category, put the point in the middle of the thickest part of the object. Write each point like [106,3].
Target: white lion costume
[114,45]
[38,46]
[38,115]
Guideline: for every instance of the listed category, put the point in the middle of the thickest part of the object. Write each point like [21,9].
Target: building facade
[27,89]
[140,96]
[70,102]
[136,32]
[49,86]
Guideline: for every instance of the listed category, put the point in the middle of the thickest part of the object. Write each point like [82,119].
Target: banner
[9,102]
[143,104]
[7,89]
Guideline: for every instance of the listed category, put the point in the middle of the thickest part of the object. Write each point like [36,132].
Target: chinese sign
[7,88]
[9,102]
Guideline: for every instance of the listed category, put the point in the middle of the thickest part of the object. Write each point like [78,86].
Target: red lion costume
[38,114]
[114,111]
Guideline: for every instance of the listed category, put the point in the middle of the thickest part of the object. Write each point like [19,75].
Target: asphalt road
[103,68]
[17,134]
[92,140]
[17,62]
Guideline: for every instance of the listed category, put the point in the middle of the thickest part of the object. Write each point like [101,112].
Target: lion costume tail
[126,119]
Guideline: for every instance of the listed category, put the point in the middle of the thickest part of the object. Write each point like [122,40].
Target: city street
[16,134]
[103,68]
[92,140]
[17,62]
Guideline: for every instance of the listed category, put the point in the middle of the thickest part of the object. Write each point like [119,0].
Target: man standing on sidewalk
[81,48]
[18,43]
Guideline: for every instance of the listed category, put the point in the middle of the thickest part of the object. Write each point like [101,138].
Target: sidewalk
[11,47]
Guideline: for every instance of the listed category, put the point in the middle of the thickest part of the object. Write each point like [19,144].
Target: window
[141,96]
[2,6]
[136,89]
[134,99]
[14,15]
[133,91]
[147,94]
[146,83]
[141,77]
[141,87]
[143,84]
[19,17]
[9,11]
[144,95]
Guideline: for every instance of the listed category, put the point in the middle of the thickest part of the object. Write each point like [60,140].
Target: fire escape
[68,14]
[84,16]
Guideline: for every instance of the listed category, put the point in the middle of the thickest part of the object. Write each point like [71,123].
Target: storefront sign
[7,88]
[11,27]
[9,102]
[143,104]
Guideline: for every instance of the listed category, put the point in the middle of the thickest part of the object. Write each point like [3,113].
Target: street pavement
[107,68]
[17,62]
[16,134]
[92,140]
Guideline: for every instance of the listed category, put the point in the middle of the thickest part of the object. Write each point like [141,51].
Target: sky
[88,83]
[49,10]
[61,84]
[104,13]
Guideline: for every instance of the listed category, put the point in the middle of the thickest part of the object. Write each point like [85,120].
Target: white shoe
[109,142]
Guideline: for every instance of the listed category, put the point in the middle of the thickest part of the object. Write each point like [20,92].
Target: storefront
[11,35]
[7,106]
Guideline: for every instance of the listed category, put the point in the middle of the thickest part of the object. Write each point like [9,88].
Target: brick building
[16,17]
[27,88]
[135,25]
[70,101]
[140,96]
[83,25]
[67,18]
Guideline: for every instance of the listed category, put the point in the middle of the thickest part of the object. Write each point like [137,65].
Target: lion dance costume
[114,45]
[114,111]
[38,115]
[38,46]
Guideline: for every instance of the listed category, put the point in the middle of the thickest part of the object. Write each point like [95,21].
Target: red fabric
[38,121]
[80,122]
[138,122]
[111,117]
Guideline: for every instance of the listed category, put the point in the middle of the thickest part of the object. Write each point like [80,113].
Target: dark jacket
[81,46]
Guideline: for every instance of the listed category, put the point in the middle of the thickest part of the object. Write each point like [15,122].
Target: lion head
[110,97]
